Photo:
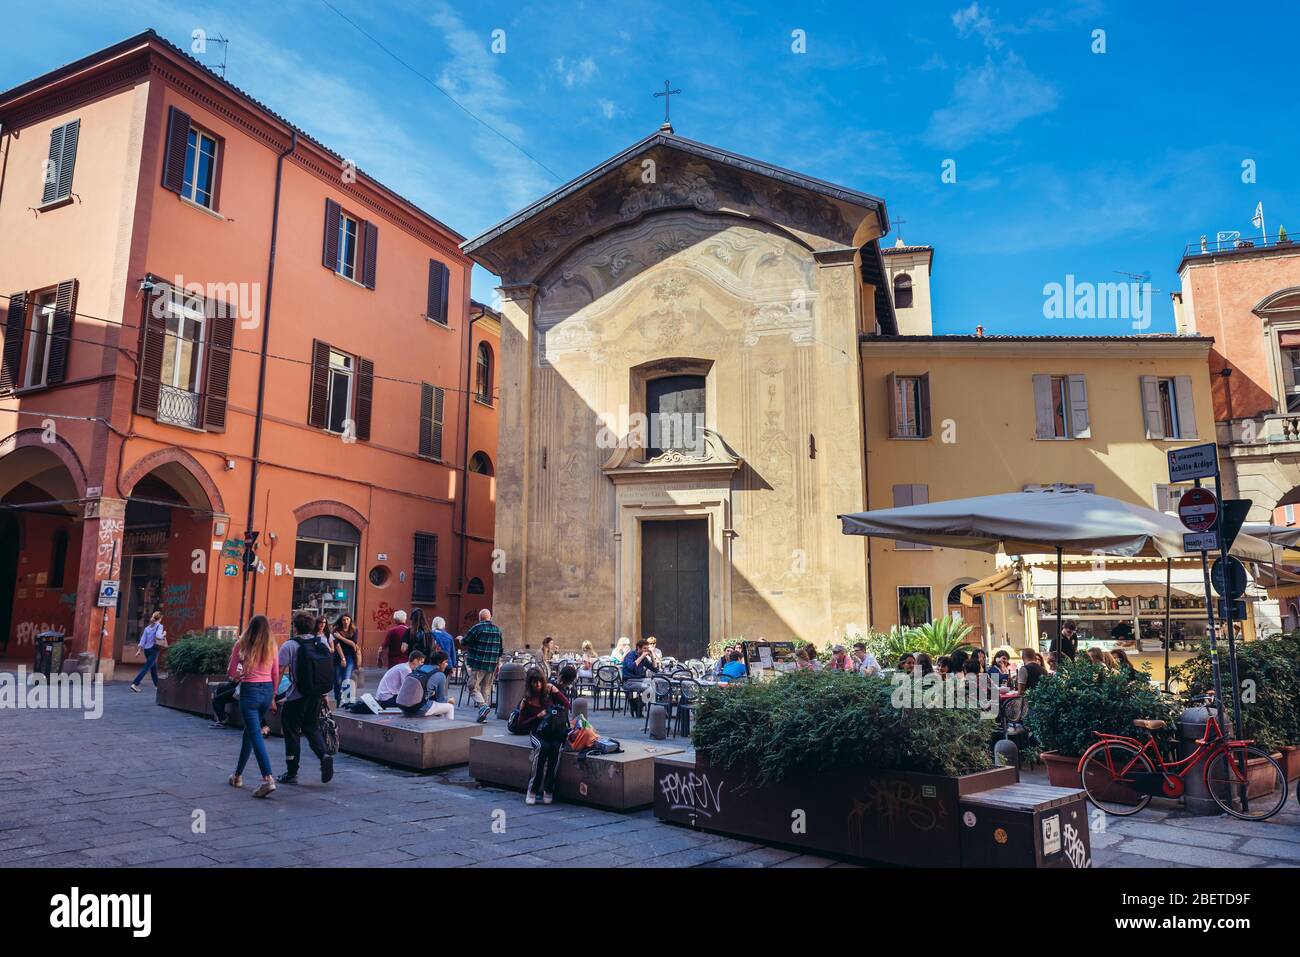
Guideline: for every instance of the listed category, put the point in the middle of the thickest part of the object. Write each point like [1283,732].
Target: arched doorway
[166,545]
[971,615]
[325,567]
[40,545]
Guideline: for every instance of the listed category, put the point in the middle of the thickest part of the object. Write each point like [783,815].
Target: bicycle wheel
[1246,782]
[1103,784]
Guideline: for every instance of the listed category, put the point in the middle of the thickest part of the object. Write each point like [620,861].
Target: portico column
[101,558]
[514,464]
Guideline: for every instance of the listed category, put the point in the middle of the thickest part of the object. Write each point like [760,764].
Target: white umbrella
[1286,535]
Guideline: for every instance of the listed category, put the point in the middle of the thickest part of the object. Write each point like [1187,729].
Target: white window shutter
[1186,406]
[1161,497]
[892,385]
[1151,414]
[1079,425]
[1043,414]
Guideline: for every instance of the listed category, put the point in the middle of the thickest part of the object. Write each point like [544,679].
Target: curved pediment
[716,458]
[1284,300]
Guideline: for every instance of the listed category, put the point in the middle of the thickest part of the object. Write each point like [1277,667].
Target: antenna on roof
[225,46]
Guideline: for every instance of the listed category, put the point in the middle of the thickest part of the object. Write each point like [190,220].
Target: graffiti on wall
[107,559]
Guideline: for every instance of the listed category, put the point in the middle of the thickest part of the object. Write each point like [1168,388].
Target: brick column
[101,557]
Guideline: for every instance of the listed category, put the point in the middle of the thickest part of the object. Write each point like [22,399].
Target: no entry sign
[1198,509]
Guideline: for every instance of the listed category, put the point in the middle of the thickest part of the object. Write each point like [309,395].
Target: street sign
[108,593]
[1200,541]
[1238,611]
[1193,462]
[1233,516]
[1198,509]
[1228,576]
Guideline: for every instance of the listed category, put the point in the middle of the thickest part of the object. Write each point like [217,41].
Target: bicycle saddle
[1149,724]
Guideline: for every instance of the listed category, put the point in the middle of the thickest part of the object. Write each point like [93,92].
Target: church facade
[681,409]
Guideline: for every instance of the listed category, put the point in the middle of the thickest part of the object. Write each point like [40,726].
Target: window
[347,266]
[340,391]
[436,306]
[432,400]
[909,406]
[902,291]
[325,567]
[905,495]
[1291,377]
[1288,514]
[1061,407]
[475,587]
[480,464]
[1167,496]
[59,165]
[200,179]
[913,605]
[58,558]
[183,344]
[675,414]
[40,335]
[424,579]
[1168,407]
[483,375]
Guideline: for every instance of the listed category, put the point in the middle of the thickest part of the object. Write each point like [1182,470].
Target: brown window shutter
[317,410]
[891,383]
[365,398]
[153,335]
[436,308]
[51,191]
[68,157]
[925,405]
[371,254]
[426,420]
[178,134]
[65,311]
[15,321]
[435,437]
[330,255]
[217,388]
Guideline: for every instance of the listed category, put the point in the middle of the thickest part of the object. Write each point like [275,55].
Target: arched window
[58,558]
[902,291]
[481,464]
[475,587]
[483,375]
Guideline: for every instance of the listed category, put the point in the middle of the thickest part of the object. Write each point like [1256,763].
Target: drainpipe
[261,371]
[464,468]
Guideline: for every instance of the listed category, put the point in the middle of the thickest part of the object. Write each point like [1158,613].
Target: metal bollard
[1191,725]
[658,722]
[581,707]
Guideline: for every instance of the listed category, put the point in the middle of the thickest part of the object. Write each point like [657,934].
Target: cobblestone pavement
[127,789]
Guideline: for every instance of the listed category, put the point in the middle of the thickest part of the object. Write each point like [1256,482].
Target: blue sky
[1068,162]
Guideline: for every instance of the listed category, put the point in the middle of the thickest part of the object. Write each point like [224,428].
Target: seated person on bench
[391,683]
[424,689]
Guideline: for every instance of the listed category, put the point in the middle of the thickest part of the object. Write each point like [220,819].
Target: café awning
[1005,579]
[1120,583]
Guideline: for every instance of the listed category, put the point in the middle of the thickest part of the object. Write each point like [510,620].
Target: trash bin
[510,687]
[1196,797]
[49,653]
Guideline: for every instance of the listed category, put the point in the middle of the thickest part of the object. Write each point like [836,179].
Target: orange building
[218,330]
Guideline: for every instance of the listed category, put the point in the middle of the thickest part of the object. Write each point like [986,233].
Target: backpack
[553,728]
[421,641]
[313,668]
[424,674]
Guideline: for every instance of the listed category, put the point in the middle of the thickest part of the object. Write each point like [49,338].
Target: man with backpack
[309,663]
[424,689]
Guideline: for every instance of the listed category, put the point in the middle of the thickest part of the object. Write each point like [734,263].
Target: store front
[325,568]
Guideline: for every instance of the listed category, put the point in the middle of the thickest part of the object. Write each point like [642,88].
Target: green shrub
[942,636]
[808,722]
[1065,708]
[198,654]
[1269,672]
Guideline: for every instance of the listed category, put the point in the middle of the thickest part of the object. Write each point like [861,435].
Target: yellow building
[956,416]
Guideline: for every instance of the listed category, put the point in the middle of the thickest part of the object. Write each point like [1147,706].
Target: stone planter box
[1290,762]
[415,743]
[186,693]
[894,817]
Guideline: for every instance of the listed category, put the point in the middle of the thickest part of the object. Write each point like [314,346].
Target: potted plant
[940,637]
[191,661]
[1066,708]
[872,775]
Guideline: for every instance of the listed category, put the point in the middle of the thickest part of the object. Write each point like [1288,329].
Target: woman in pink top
[254,663]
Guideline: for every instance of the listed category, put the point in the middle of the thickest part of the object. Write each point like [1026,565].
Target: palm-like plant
[942,636]
[889,646]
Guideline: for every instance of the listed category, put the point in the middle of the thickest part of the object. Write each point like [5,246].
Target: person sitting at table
[866,661]
[1124,664]
[1052,664]
[1001,667]
[638,665]
[943,665]
[733,669]
[568,681]
[547,652]
[840,660]
[653,644]
[957,661]
[621,648]
[815,664]
[907,662]
[981,656]
[587,662]
[1031,670]
[972,672]
[924,664]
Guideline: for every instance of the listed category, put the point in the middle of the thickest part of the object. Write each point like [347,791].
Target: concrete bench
[619,782]
[416,743]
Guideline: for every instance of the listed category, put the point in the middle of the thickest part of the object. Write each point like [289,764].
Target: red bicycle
[1120,773]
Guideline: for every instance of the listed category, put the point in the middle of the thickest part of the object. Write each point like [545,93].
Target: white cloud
[990,99]
[607,108]
[974,20]
[576,73]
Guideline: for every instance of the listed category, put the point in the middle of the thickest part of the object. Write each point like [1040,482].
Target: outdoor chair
[1013,716]
[609,684]
[687,699]
[662,691]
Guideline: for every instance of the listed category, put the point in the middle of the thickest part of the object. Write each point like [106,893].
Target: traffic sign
[108,593]
[1200,541]
[1233,516]
[1198,509]
[1238,610]
[1228,576]
[1193,462]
